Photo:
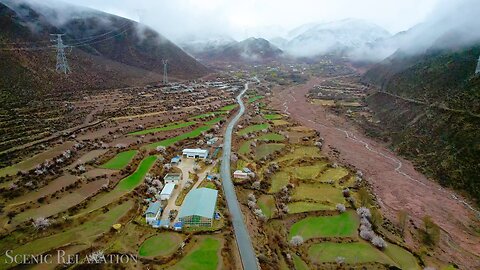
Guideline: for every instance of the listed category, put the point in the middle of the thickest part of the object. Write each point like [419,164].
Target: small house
[240,174]
[212,141]
[247,170]
[167,191]
[153,212]
[176,160]
[195,153]
[172,178]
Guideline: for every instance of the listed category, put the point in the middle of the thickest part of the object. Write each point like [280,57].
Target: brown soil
[396,183]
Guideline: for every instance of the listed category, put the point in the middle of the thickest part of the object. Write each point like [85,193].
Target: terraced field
[168,127]
[342,225]
[120,161]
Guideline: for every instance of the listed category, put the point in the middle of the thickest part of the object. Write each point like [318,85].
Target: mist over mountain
[248,50]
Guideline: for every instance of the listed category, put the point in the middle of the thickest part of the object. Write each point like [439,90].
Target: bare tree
[340,260]
[379,242]
[364,212]
[152,190]
[297,240]
[41,223]
[341,208]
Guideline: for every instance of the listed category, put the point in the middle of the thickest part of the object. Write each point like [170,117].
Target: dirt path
[396,183]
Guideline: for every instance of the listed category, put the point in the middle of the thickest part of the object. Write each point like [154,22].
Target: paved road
[247,254]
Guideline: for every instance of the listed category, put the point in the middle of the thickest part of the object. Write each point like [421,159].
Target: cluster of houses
[198,207]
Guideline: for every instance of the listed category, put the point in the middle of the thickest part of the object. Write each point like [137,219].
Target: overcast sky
[267,18]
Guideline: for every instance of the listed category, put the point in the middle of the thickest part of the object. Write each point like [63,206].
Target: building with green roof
[198,207]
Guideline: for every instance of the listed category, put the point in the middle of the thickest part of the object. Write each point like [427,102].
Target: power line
[165,75]
[62,63]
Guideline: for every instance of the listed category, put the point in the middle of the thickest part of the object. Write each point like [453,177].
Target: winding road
[247,254]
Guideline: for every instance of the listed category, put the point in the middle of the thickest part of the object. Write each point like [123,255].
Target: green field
[310,172]
[120,161]
[299,263]
[203,257]
[213,121]
[228,107]
[244,148]
[358,252]
[133,180]
[267,204]
[124,186]
[171,126]
[301,207]
[402,257]
[342,225]
[86,232]
[272,137]
[162,244]
[170,141]
[279,180]
[254,128]
[318,193]
[333,174]
[255,98]
[266,149]
[302,152]
[272,116]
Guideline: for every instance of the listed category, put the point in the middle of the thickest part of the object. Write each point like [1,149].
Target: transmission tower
[62,64]
[165,75]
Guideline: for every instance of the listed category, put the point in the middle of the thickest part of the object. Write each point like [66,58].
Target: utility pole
[62,64]
[165,75]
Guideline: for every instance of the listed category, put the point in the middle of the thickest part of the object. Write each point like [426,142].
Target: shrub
[364,212]
[297,240]
[341,208]
[379,242]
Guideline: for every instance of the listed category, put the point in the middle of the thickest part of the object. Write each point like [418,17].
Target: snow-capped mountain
[195,45]
[339,37]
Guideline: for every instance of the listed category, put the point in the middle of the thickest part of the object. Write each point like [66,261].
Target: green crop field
[168,127]
[254,128]
[299,263]
[213,121]
[302,152]
[358,252]
[267,204]
[301,207]
[279,180]
[170,141]
[341,225]
[244,148]
[310,172]
[133,180]
[272,116]
[86,232]
[318,193]
[120,161]
[264,150]
[402,257]
[203,257]
[255,98]
[228,107]
[162,244]
[333,174]
[271,137]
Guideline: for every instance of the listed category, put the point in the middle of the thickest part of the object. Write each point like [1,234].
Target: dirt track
[397,185]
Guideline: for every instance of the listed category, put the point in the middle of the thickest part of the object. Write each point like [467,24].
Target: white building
[153,212]
[172,178]
[167,191]
[195,153]
[240,175]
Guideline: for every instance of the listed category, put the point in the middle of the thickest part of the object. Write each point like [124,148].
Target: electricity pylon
[165,75]
[477,71]
[62,64]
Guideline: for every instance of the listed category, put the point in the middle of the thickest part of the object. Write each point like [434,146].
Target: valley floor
[396,183]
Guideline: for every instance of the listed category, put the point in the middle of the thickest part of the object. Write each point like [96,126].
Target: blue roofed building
[153,212]
[198,207]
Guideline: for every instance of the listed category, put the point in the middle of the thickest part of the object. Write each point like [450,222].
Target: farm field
[357,252]
[271,137]
[318,193]
[279,180]
[204,255]
[253,128]
[301,207]
[167,127]
[228,107]
[168,142]
[310,172]
[162,244]
[267,205]
[120,161]
[86,233]
[255,98]
[266,149]
[342,225]
[272,116]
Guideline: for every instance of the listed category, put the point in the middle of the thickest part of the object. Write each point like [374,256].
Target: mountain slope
[431,111]
[339,37]
[248,50]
